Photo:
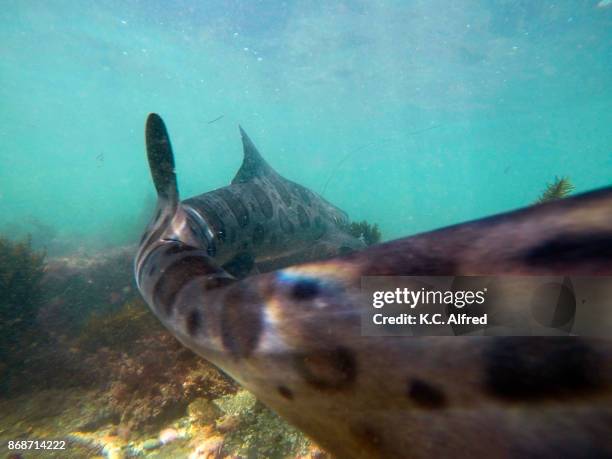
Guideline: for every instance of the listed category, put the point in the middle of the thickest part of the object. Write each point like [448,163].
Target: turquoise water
[413,115]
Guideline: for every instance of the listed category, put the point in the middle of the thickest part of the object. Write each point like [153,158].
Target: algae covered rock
[151,443]
[203,411]
[259,431]
[119,328]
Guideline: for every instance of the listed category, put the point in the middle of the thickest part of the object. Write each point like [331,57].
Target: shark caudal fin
[253,164]
[161,161]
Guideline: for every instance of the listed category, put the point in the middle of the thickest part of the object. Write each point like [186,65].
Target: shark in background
[293,336]
[260,222]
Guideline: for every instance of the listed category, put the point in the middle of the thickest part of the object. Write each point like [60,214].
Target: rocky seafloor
[83,361]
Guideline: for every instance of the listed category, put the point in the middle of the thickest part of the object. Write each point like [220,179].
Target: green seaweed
[370,234]
[21,272]
[559,188]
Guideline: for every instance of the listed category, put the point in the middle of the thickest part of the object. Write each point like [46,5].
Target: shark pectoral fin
[161,161]
[253,164]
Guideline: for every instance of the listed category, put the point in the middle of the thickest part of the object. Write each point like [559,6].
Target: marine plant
[21,272]
[370,234]
[118,329]
[559,188]
[152,380]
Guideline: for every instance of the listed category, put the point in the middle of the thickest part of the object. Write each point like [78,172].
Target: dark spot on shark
[259,234]
[193,322]
[571,249]
[333,369]
[425,394]
[157,214]
[540,368]
[305,289]
[143,237]
[264,202]
[303,217]
[280,188]
[175,277]
[241,321]
[285,392]
[285,224]
[240,265]
[238,209]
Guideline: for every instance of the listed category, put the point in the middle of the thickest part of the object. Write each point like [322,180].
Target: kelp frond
[370,234]
[560,188]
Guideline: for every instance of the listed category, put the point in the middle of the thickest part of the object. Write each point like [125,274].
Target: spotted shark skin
[293,337]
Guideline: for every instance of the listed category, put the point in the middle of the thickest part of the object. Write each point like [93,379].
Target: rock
[151,443]
[316,453]
[116,454]
[209,446]
[168,435]
[203,411]
[99,419]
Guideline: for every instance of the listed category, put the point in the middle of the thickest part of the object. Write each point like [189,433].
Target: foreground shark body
[293,337]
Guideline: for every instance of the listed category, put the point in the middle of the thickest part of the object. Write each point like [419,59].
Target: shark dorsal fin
[161,161]
[253,164]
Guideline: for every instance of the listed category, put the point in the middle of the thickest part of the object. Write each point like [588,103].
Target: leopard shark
[260,222]
[293,336]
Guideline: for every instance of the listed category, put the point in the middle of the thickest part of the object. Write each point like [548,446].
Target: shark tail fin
[161,161]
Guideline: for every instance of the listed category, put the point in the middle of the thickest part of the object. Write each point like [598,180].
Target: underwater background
[409,114]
